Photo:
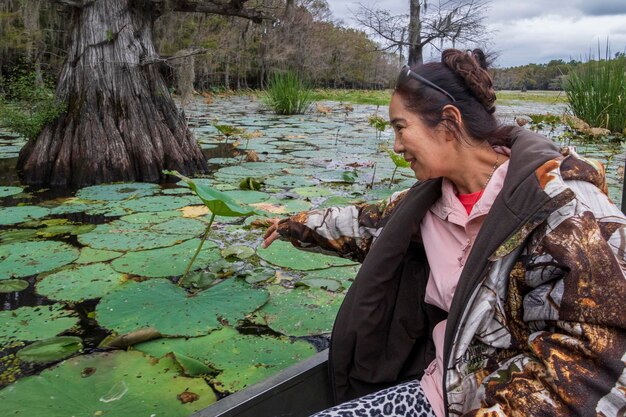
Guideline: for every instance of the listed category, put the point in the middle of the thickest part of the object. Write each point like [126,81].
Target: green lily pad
[21,214]
[312,192]
[108,384]
[323,283]
[35,323]
[9,191]
[65,230]
[302,311]
[17,235]
[336,201]
[244,360]
[290,181]
[117,192]
[282,206]
[75,205]
[183,226]
[218,202]
[138,305]
[79,283]
[285,255]
[167,262]
[238,251]
[157,203]
[247,196]
[22,259]
[343,274]
[151,217]
[90,256]
[108,209]
[51,350]
[12,285]
[123,236]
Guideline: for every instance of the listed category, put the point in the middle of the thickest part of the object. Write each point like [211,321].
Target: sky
[531,31]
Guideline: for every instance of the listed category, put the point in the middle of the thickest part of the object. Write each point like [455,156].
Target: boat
[298,391]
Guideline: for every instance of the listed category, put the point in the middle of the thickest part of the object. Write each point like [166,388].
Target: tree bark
[121,123]
[415,30]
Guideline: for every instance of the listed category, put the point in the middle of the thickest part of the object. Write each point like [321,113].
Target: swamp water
[80,267]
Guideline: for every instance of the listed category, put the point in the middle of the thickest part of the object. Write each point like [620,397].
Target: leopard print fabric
[404,400]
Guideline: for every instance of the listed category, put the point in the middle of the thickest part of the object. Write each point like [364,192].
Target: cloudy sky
[532,31]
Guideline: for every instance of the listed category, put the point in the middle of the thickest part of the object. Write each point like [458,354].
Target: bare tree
[121,123]
[454,21]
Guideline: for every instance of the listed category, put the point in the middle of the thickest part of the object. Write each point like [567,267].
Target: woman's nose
[397,145]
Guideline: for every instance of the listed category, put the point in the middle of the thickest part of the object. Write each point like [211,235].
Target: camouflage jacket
[537,326]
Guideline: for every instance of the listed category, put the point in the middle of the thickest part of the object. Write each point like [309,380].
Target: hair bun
[472,66]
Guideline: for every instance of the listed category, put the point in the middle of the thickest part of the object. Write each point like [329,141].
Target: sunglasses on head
[406,74]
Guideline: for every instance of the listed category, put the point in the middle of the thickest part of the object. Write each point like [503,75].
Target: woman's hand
[271,234]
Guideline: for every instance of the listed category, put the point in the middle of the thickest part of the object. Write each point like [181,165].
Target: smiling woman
[501,259]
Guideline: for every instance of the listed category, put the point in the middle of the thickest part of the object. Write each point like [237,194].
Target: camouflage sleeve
[573,291]
[346,231]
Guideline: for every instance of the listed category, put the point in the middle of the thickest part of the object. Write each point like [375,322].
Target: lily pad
[151,217]
[323,283]
[343,274]
[312,192]
[90,256]
[80,283]
[247,197]
[12,285]
[138,305]
[123,236]
[9,191]
[22,259]
[285,255]
[157,203]
[108,384]
[244,360]
[35,323]
[167,262]
[238,251]
[51,350]
[117,192]
[21,214]
[282,206]
[301,311]
[17,235]
[290,181]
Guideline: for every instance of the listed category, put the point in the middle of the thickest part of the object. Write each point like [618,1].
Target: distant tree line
[215,51]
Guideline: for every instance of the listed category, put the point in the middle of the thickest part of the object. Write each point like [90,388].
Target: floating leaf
[12,285]
[285,255]
[218,202]
[17,235]
[123,236]
[117,192]
[35,323]
[80,283]
[166,262]
[323,283]
[247,196]
[89,255]
[282,206]
[21,214]
[238,251]
[302,311]
[51,350]
[312,192]
[138,305]
[29,258]
[9,191]
[244,360]
[107,384]
[157,203]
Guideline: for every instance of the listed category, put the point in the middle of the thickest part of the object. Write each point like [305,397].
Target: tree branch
[75,3]
[226,8]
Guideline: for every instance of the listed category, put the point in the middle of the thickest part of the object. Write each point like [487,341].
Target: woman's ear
[452,120]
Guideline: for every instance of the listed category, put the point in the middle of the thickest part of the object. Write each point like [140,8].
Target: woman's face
[427,149]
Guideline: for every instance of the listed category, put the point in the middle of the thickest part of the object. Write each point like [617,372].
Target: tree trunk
[121,123]
[415,33]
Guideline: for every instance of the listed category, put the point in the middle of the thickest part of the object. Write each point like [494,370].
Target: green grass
[288,94]
[536,96]
[597,93]
[375,97]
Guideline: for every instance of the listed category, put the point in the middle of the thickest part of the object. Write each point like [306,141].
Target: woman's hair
[465,78]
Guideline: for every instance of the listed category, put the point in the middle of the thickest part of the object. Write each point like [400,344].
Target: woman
[493,287]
